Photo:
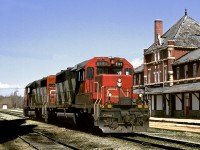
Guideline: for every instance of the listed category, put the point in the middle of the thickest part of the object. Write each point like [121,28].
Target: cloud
[2,85]
[137,62]
[7,89]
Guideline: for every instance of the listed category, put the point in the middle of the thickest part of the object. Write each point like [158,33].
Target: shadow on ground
[82,127]
[10,130]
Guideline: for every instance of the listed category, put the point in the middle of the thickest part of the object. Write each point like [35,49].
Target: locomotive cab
[115,106]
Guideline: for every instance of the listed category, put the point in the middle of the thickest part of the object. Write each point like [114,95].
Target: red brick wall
[178,53]
[158,25]
[190,70]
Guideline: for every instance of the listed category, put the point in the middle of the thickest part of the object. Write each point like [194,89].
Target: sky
[41,37]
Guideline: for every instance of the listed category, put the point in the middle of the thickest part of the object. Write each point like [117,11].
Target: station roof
[178,88]
[156,90]
[181,88]
[185,33]
[189,57]
[139,69]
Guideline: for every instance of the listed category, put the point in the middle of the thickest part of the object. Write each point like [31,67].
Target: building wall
[178,53]
[181,105]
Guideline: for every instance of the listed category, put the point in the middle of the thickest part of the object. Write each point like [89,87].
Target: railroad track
[40,141]
[159,142]
[146,139]
[35,139]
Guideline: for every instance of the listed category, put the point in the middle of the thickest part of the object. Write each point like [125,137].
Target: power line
[11,88]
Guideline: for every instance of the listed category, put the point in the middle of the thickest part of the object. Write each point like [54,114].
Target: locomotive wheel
[85,120]
[38,113]
[51,116]
[25,112]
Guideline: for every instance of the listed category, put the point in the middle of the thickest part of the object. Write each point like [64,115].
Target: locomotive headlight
[109,95]
[119,83]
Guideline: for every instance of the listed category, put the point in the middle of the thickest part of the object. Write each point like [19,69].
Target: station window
[134,80]
[155,56]
[195,70]
[177,73]
[158,76]
[149,76]
[165,73]
[186,71]
[90,73]
[158,55]
[139,81]
[155,77]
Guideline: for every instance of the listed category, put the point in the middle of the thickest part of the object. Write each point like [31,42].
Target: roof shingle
[189,57]
[185,33]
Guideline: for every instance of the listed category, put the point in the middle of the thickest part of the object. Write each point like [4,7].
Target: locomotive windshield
[106,70]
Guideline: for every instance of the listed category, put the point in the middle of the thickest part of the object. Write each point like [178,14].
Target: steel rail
[146,143]
[185,143]
[55,141]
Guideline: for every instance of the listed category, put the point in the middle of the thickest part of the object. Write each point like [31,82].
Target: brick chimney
[158,24]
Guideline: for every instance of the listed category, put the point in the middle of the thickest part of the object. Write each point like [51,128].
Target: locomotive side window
[90,73]
[81,76]
[128,71]
[29,90]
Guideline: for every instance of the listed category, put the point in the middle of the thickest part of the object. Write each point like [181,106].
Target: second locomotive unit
[96,92]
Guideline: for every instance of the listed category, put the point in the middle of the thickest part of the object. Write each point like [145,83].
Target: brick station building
[171,70]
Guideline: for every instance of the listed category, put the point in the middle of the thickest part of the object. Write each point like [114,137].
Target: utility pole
[15,95]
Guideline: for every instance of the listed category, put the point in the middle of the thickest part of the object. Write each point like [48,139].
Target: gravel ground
[176,131]
[15,144]
[76,138]
[175,126]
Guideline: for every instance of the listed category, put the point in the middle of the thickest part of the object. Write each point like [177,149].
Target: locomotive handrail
[101,93]
[97,92]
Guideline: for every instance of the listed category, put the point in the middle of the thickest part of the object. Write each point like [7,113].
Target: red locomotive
[95,92]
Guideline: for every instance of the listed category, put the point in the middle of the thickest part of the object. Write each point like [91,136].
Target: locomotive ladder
[97,103]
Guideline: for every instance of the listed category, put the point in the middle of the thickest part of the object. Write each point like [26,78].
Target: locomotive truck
[97,92]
